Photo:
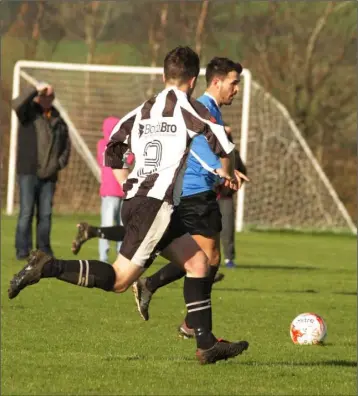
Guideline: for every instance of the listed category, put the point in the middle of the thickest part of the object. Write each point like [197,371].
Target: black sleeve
[23,104]
[239,165]
[118,145]
[200,121]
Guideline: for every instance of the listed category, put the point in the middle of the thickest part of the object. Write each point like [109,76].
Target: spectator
[111,191]
[43,150]
[227,209]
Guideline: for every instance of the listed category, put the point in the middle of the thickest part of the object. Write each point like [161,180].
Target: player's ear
[163,78]
[192,82]
[216,82]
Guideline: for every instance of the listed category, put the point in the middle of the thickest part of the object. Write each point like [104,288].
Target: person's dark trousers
[228,227]
[34,194]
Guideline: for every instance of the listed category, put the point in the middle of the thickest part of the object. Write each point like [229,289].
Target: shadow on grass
[261,267]
[277,267]
[346,293]
[239,361]
[332,363]
[236,289]
[247,289]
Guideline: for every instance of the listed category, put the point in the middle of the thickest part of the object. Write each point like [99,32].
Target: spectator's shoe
[185,331]
[142,297]
[82,236]
[219,276]
[30,274]
[230,264]
[222,350]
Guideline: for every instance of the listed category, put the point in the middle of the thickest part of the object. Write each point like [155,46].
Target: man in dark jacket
[227,209]
[43,150]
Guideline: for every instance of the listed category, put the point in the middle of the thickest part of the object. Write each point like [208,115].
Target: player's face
[229,87]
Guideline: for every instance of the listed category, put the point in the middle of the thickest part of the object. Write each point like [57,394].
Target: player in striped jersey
[158,133]
[198,209]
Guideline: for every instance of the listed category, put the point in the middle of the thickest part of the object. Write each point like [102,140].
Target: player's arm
[239,164]
[202,152]
[215,134]
[198,121]
[228,163]
[234,164]
[117,148]
[225,164]
[121,175]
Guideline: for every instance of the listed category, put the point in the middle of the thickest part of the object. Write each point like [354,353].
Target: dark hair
[182,64]
[221,67]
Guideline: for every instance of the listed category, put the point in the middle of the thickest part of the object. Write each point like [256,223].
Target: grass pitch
[58,339]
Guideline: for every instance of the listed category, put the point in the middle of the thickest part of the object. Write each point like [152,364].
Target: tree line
[305,56]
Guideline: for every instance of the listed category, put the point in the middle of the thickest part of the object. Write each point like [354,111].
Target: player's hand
[241,178]
[230,182]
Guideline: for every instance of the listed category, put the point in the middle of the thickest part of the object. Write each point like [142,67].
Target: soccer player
[158,133]
[227,209]
[198,208]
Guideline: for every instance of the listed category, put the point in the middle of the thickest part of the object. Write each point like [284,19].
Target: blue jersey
[198,176]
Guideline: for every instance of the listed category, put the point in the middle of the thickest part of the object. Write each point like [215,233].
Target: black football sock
[168,274]
[212,272]
[86,273]
[198,304]
[114,233]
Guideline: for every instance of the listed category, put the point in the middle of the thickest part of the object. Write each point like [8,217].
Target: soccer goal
[288,189]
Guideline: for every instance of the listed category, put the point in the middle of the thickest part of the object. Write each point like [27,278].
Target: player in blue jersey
[198,209]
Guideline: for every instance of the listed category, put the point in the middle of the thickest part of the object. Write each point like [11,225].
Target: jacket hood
[108,125]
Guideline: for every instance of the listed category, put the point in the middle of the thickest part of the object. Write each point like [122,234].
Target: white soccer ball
[308,329]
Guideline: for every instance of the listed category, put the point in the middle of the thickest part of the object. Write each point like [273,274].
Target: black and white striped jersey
[159,133]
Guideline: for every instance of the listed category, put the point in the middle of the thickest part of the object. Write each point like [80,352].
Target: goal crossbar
[76,137]
[84,151]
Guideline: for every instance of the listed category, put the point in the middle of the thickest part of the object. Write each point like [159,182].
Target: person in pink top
[110,190]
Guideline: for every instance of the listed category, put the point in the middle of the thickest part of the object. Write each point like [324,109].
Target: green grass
[58,339]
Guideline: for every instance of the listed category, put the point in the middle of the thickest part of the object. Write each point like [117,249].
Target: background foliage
[304,55]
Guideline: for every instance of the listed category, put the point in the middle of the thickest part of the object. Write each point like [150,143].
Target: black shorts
[150,226]
[201,214]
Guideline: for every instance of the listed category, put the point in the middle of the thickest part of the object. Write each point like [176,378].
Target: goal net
[288,188]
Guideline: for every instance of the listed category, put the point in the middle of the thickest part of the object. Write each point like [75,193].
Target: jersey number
[152,158]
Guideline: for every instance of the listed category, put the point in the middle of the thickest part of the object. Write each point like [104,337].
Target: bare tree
[8,15]
[297,57]
[158,20]
[156,32]
[201,26]
[26,22]
[306,58]
[85,21]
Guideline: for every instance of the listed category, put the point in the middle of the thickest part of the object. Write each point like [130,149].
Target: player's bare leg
[86,273]
[197,294]
[211,247]
[144,288]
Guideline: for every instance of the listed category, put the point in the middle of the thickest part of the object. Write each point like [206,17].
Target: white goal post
[270,144]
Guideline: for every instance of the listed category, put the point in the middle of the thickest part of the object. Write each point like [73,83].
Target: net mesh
[286,191]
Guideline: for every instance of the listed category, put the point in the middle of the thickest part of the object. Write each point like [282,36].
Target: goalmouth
[289,188]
